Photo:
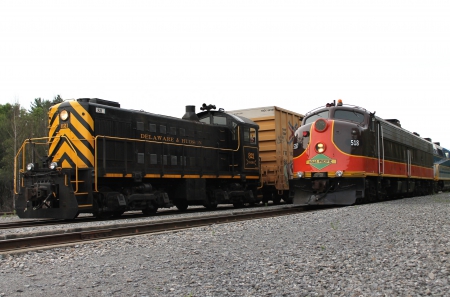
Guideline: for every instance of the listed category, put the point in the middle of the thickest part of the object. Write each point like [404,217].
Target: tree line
[17,124]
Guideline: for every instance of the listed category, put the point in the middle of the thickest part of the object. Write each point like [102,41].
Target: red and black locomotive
[344,154]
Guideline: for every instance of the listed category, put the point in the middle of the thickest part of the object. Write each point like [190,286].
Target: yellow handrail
[22,151]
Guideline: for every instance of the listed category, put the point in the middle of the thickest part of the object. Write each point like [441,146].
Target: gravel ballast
[395,248]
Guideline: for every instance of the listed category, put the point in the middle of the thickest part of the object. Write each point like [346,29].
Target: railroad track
[109,232]
[23,223]
[29,223]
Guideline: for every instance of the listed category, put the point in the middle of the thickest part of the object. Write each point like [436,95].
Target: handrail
[22,151]
[16,158]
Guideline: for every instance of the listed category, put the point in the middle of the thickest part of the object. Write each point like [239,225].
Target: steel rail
[47,241]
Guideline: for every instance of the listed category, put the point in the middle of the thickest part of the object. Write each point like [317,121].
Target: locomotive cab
[240,132]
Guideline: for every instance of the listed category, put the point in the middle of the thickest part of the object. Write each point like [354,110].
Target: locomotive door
[380,149]
[408,163]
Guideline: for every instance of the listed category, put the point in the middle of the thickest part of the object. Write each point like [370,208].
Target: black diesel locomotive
[345,154]
[105,160]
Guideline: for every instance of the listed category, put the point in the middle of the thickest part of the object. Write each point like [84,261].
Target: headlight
[339,173]
[53,165]
[30,166]
[300,174]
[64,115]
[320,148]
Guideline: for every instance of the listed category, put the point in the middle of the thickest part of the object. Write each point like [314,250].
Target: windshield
[349,115]
[320,115]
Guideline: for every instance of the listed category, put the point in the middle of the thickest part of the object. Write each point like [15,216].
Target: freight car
[105,160]
[276,134]
[345,154]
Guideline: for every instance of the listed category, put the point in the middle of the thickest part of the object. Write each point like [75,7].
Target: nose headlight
[30,166]
[53,165]
[339,173]
[300,174]
[64,115]
[320,148]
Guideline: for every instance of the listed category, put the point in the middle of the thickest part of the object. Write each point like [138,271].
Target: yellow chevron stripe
[53,145]
[80,128]
[65,148]
[51,113]
[65,164]
[83,113]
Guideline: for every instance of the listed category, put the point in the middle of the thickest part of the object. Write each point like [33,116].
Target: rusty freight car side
[276,134]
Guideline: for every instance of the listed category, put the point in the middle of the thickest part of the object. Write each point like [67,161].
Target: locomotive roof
[339,105]
[333,106]
[235,117]
[200,114]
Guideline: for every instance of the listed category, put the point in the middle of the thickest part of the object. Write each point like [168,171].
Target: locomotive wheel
[182,205]
[238,204]
[276,200]
[117,214]
[97,205]
[150,211]
[253,203]
[210,205]
[286,198]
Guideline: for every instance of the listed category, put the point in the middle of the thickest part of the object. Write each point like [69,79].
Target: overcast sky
[392,57]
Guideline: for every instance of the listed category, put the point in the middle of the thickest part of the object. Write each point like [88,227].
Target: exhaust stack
[190,113]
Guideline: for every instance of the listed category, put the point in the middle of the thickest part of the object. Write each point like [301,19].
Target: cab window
[253,136]
[206,120]
[219,120]
[246,134]
[234,130]
[320,115]
[250,135]
[349,115]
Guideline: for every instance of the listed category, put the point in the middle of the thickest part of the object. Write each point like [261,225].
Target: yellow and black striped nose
[71,131]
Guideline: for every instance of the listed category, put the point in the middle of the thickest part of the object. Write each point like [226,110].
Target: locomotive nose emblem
[320,161]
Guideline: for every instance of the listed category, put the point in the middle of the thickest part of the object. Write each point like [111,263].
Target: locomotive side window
[234,131]
[348,115]
[140,126]
[173,160]
[219,120]
[152,127]
[182,132]
[246,134]
[372,124]
[252,135]
[205,120]
[153,159]
[314,117]
[162,129]
[173,130]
